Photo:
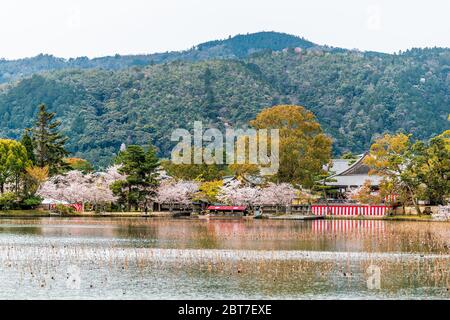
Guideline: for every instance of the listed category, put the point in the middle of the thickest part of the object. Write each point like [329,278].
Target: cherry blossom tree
[75,187]
[70,187]
[278,194]
[98,186]
[180,192]
[235,193]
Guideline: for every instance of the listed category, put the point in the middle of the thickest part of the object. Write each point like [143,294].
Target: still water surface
[137,258]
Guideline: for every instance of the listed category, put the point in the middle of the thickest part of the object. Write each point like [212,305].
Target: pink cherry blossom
[180,192]
[75,187]
[235,193]
[278,194]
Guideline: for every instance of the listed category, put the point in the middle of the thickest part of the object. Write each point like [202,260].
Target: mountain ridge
[236,47]
[356,96]
[239,46]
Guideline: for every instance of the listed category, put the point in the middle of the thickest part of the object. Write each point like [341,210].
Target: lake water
[138,258]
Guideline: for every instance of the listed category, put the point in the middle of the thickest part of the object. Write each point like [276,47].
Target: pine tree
[27,142]
[140,167]
[48,141]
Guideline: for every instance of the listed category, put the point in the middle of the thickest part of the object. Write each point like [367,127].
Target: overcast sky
[93,28]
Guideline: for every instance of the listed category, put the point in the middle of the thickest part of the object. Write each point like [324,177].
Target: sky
[93,28]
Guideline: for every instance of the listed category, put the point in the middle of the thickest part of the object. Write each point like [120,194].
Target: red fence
[350,210]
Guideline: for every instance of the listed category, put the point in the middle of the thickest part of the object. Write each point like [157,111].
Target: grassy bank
[410,218]
[44,213]
[424,218]
[24,213]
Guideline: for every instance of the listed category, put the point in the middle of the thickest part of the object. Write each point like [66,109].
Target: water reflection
[325,235]
[161,258]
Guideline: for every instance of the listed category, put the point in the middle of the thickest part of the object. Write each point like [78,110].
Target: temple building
[350,174]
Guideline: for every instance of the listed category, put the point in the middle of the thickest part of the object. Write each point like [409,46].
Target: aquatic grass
[408,256]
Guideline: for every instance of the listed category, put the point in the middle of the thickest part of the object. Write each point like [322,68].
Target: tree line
[39,166]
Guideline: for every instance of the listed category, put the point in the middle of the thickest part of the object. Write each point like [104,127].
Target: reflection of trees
[207,236]
[185,234]
[319,235]
[128,229]
[22,230]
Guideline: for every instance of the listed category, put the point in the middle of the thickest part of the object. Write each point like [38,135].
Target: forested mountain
[239,46]
[354,95]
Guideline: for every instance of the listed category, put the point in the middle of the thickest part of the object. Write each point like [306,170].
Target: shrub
[64,209]
[7,200]
[31,202]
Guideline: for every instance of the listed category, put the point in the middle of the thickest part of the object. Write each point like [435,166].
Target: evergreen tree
[140,167]
[322,180]
[48,141]
[27,142]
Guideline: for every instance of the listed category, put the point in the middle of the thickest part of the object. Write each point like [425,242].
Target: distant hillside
[354,95]
[240,46]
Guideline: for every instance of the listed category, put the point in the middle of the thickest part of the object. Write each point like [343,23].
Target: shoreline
[47,214]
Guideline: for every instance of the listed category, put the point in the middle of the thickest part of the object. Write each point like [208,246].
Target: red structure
[227,209]
[350,210]
[78,207]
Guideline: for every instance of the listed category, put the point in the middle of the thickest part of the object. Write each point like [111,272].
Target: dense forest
[356,96]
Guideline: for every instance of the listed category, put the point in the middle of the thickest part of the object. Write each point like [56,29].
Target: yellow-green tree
[13,161]
[79,164]
[430,164]
[209,190]
[304,148]
[390,157]
[366,195]
[413,170]
[198,172]
[34,177]
[194,171]
[445,136]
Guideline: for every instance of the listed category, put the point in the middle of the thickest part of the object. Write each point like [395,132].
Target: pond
[139,258]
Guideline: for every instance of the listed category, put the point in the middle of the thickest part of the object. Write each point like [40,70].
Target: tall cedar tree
[27,142]
[48,141]
[139,188]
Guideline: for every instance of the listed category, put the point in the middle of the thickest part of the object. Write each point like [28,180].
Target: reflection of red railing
[350,210]
[338,226]
[226,227]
